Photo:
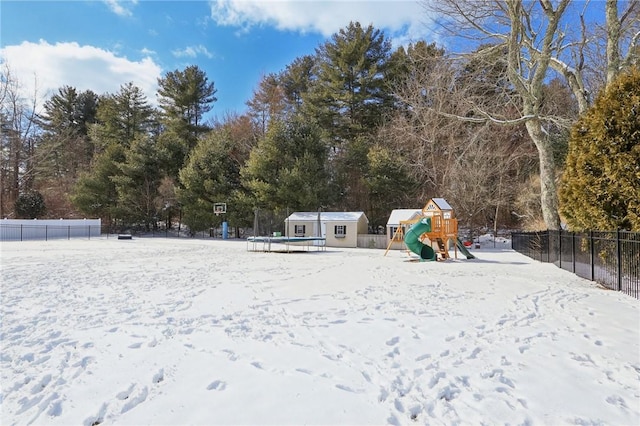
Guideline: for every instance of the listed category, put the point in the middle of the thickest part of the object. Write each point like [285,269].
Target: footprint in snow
[218,385]
[393,341]
[159,376]
[125,394]
[41,385]
[98,418]
[135,400]
[348,389]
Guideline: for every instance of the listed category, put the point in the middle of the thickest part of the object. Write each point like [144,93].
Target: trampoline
[286,244]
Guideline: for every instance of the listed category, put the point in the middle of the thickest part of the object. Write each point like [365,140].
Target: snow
[202,332]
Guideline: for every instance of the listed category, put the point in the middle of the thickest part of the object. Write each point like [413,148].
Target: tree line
[356,125]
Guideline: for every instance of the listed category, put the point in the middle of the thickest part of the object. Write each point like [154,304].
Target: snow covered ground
[202,332]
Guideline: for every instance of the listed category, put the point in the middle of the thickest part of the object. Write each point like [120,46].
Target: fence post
[560,248]
[592,255]
[46,232]
[548,245]
[69,232]
[619,255]
[21,231]
[573,251]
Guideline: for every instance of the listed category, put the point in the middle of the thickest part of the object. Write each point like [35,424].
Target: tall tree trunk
[613,40]
[548,189]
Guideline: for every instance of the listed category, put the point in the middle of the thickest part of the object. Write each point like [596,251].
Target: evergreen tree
[600,187]
[211,175]
[30,205]
[288,167]
[138,183]
[297,80]
[95,192]
[123,116]
[66,148]
[388,183]
[184,97]
[350,98]
[419,57]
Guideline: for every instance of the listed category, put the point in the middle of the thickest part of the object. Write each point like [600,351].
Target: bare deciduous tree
[535,40]
[472,164]
[17,139]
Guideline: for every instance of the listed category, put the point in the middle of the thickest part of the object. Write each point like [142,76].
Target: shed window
[340,231]
[299,230]
[393,235]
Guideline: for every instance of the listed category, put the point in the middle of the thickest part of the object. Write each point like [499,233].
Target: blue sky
[100,45]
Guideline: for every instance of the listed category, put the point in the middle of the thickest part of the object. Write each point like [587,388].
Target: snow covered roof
[442,203]
[402,214]
[328,216]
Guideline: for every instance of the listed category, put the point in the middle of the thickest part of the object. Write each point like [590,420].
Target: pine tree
[66,147]
[123,116]
[138,183]
[95,192]
[211,175]
[349,98]
[184,97]
[288,167]
[349,93]
[296,80]
[600,187]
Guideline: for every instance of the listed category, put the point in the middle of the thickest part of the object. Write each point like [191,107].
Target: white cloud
[192,52]
[121,7]
[402,20]
[82,67]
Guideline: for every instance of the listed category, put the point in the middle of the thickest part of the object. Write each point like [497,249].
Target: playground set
[434,228]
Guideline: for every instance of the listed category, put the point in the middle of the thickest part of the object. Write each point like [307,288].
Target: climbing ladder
[442,248]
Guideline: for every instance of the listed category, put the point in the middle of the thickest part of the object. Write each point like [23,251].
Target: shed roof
[402,214]
[328,216]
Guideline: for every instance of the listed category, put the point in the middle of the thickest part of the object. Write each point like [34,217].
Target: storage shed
[340,229]
[399,218]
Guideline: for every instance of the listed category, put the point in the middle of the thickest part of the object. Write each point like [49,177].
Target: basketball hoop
[219,208]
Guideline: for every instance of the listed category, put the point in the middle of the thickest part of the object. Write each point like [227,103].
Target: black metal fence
[611,258]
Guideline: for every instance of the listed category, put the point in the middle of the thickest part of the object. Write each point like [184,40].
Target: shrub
[600,188]
[30,205]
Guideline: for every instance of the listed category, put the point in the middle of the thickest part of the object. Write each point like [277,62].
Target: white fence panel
[378,241]
[36,229]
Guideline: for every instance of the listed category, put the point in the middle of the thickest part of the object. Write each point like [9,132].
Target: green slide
[463,249]
[412,239]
